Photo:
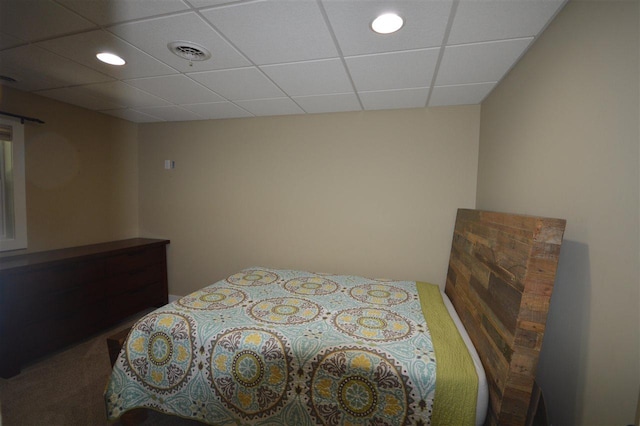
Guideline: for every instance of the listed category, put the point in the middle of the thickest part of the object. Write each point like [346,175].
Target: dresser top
[60,255]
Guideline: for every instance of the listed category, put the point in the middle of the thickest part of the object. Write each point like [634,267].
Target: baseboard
[173,298]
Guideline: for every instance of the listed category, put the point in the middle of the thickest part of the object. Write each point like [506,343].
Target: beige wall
[81,173]
[369,193]
[560,137]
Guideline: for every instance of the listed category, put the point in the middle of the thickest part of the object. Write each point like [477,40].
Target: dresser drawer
[135,278]
[60,304]
[134,260]
[135,300]
[44,281]
[38,282]
[45,336]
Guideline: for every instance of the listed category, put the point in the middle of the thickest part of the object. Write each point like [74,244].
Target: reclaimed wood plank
[500,280]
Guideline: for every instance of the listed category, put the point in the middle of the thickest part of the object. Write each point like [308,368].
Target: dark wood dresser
[51,299]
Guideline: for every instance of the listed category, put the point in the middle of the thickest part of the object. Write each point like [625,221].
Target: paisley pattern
[213,299]
[282,347]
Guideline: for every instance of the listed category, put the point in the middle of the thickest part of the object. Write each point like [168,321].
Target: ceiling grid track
[445,40]
[340,54]
[241,53]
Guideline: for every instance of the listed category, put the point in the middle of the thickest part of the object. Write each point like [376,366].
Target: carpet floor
[66,389]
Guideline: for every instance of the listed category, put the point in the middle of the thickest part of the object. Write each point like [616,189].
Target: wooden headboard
[501,273]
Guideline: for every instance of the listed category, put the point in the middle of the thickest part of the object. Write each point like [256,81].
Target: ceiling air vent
[192,52]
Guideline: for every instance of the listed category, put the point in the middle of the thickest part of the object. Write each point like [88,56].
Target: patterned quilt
[280,347]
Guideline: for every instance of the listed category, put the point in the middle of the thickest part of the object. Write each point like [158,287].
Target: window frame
[19,238]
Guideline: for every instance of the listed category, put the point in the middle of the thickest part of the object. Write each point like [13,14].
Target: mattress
[482,400]
[268,346]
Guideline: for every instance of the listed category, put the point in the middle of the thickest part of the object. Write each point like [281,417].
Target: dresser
[51,299]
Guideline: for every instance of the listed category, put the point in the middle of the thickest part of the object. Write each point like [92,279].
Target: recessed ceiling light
[387,23]
[110,58]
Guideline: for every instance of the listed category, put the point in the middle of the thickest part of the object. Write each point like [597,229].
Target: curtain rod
[22,117]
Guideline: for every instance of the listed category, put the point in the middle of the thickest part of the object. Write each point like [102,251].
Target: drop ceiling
[269,57]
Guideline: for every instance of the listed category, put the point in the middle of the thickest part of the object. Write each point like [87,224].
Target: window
[13,213]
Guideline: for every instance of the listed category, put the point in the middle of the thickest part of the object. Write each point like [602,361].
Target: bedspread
[282,347]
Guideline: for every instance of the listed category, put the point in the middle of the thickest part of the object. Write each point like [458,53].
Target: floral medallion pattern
[307,286]
[159,351]
[373,324]
[253,277]
[213,299]
[379,294]
[250,369]
[358,386]
[285,310]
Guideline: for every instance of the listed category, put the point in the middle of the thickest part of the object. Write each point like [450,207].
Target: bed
[267,346]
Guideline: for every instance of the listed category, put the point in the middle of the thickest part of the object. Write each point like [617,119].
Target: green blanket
[457,384]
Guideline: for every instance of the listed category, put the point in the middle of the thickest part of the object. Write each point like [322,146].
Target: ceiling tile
[239,84]
[35,68]
[397,70]
[490,20]
[270,32]
[424,26]
[32,20]
[329,103]
[466,94]
[75,96]
[218,110]
[479,62]
[310,78]
[392,99]
[132,115]
[170,113]
[177,89]
[121,93]
[153,36]
[7,41]
[279,106]
[105,12]
[83,48]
